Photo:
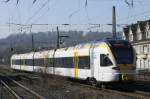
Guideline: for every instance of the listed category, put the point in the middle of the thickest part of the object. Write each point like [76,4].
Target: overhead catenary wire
[133,16]
[33,16]
[34,1]
[27,26]
[37,12]
[45,12]
[85,6]
[76,11]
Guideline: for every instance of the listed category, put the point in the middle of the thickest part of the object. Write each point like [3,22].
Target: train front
[125,59]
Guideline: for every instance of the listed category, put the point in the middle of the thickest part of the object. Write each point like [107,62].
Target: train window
[13,62]
[46,62]
[23,61]
[50,62]
[57,64]
[60,63]
[39,62]
[63,62]
[84,62]
[71,62]
[66,62]
[104,60]
[29,62]
[18,62]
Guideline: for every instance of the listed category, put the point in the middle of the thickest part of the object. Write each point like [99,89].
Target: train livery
[104,61]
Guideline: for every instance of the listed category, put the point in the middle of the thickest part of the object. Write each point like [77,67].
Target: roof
[109,41]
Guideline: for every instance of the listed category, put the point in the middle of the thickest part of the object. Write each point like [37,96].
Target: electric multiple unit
[104,61]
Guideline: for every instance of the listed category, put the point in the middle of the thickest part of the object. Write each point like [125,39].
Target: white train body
[106,61]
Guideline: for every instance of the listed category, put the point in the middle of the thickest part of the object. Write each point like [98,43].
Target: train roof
[110,40]
[114,41]
[106,40]
[85,45]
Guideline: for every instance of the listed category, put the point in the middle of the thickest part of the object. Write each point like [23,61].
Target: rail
[135,94]
[10,90]
[29,90]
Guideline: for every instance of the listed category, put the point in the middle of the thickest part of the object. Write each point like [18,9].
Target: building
[139,35]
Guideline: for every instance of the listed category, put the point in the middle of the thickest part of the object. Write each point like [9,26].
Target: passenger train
[104,61]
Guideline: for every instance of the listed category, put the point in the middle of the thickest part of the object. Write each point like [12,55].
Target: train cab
[115,61]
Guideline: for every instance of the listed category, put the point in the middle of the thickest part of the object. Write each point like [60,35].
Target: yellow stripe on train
[127,77]
[125,66]
[75,64]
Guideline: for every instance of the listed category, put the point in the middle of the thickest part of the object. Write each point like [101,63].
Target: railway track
[137,94]
[134,95]
[17,90]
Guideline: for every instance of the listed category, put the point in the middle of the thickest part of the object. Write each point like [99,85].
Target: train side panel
[27,62]
[41,61]
[15,61]
[75,69]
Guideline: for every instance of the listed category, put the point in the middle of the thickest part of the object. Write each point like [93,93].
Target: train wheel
[88,81]
[103,86]
[93,81]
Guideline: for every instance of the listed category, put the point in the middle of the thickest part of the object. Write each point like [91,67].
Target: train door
[46,62]
[91,61]
[19,62]
[102,63]
[105,66]
[95,64]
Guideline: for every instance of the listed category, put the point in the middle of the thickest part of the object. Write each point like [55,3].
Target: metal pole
[32,39]
[58,38]
[32,46]
[114,22]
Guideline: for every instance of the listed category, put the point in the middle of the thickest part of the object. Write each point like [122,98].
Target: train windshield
[123,53]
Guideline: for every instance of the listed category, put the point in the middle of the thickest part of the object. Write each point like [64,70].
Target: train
[105,61]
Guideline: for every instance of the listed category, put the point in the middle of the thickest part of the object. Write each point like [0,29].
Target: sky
[45,15]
